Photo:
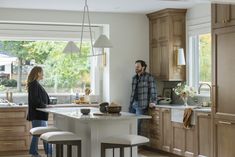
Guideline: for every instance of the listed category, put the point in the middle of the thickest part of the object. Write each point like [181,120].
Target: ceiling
[117,6]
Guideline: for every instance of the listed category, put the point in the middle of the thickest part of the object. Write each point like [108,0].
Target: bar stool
[61,138]
[122,141]
[38,131]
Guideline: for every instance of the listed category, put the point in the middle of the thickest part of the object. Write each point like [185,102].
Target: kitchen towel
[187,117]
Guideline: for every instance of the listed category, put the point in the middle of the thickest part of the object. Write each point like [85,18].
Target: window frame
[193,32]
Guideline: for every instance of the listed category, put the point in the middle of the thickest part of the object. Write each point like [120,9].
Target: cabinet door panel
[231,18]
[204,134]
[163,29]
[164,63]
[224,75]
[219,15]
[156,62]
[178,139]
[166,129]
[225,139]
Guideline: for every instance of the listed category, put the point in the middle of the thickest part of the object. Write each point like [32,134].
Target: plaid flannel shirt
[147,90]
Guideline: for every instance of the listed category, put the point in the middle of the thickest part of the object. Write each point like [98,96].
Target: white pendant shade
[181,58]
[71,47]
[103,42]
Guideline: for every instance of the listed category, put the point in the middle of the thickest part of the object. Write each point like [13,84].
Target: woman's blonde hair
[33,75]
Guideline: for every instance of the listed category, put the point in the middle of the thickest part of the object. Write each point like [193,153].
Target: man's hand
[152,105]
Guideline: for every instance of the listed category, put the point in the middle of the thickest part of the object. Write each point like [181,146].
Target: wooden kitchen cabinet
[166,128]
[203,134]
[223,15]
[167,34]
[154,128]
[225,138]
[223,108]
[14,130]
[183,140]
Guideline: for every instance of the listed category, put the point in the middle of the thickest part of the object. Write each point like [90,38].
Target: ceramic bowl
[85,111]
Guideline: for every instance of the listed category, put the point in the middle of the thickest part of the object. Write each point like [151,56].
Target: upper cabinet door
[224,72]
[220,15]
[163,29]
[231,15]
[223,15]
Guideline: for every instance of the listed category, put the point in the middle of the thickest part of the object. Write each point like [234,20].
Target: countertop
[182,107]
[74,112]
[13,105]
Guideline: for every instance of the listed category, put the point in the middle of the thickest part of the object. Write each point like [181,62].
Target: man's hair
[143,64]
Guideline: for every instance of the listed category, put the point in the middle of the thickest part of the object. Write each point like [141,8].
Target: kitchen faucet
[201,84]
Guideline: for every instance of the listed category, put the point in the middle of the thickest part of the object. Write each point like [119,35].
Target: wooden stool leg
[69,150]
[122,152]
[59,150]
[113,151]
[79,149]
[102,150]
[131,151]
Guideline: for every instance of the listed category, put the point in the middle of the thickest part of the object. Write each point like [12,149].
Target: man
[144,92]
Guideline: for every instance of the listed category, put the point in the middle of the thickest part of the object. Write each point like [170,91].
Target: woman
[37,98]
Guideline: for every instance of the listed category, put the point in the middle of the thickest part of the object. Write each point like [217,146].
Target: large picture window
[63,73]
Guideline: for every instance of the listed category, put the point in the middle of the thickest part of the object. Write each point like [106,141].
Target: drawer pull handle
[222,122]
[201,114]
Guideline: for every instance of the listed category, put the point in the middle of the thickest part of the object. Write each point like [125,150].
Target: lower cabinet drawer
[14,144]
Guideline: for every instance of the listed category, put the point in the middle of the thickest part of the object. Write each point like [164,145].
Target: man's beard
[138,71]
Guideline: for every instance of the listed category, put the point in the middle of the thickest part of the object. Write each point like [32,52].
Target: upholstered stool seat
[61,138]
[38,131]
[122,141]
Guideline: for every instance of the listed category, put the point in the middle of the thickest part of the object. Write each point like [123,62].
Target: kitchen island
[95,126]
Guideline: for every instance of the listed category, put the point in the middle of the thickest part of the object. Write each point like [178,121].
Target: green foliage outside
[61,71]
[205,57]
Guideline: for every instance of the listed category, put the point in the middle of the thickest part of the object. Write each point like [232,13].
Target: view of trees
[61,71]
[205,57]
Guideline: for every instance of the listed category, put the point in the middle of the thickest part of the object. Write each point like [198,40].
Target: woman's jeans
[134,108]
[34,143]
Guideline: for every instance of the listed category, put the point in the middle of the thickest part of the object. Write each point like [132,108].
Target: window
[2,68]
[63,73]
[200,60]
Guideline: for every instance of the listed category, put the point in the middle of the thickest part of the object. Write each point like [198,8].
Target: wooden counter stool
[122,141]
[61,138]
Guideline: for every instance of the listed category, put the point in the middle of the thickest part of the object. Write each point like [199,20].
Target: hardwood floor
[142,153]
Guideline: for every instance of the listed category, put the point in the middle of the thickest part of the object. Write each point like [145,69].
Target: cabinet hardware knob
[222,122]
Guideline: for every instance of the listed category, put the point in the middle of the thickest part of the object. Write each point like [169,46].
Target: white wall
[129,34]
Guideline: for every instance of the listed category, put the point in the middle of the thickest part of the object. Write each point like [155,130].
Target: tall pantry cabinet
[223,61]
[167,35]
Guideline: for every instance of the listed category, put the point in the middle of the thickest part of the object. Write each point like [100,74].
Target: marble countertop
[13,105]
[182,107]
[95,114]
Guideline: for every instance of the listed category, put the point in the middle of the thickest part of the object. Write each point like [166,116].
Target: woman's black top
[37,98]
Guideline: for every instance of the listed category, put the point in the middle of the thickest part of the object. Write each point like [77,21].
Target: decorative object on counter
[85,99]
[9,96]
[167,92]
[85,111]
[103,107]
[53,100]
[184,91]
[114,108]
[164,100]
